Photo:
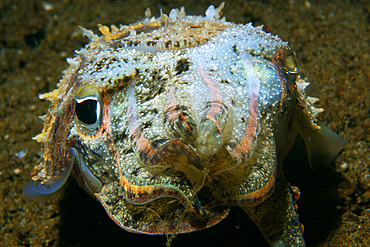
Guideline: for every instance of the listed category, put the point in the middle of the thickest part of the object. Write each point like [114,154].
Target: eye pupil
[86,111]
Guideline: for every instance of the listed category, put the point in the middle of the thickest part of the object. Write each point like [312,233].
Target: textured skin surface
[172,120]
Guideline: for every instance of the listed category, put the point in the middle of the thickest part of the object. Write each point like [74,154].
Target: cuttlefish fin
[322,144]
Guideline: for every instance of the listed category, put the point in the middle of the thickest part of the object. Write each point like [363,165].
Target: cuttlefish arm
[277,218]
[48,190]
[52,189]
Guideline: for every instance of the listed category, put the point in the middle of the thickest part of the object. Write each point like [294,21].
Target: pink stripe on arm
[245,144]
[140,143]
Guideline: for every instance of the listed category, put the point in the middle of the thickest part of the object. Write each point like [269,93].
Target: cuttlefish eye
[290,65]
[88,108]
[86,111]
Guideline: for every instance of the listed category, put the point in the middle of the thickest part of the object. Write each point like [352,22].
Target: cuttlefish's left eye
[290,65]
[88,108]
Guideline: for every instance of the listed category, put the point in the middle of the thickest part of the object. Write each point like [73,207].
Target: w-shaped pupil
[86,111]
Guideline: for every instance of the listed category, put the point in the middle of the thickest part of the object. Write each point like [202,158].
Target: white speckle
[17,171]
[20,154]
[344,166]
[47,6]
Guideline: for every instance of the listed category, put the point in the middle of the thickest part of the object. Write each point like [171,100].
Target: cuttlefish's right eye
[88,108]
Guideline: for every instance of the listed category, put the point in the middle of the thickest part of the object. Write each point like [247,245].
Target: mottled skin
[170,121]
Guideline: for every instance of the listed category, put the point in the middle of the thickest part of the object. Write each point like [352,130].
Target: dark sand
[331,39]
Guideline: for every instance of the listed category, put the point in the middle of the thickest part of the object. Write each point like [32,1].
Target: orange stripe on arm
[142,146]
